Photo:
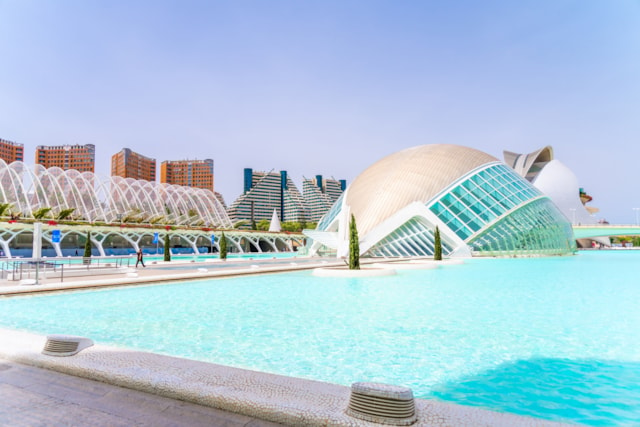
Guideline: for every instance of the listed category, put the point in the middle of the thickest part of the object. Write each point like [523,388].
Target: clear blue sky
[329,87]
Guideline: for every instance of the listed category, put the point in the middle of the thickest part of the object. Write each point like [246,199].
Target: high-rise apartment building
[11,151]
[188,173]
[264,192]
[79,157]
[320,194]
[129,164]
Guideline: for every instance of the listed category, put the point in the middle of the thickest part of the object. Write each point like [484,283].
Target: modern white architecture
[480,205]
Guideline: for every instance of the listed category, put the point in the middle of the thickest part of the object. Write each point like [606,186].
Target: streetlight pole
[637,209]
[573,215]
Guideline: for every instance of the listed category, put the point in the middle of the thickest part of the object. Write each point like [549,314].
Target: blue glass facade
[482,198]
[248,179]
[537,228]
[413,238]
[494,211]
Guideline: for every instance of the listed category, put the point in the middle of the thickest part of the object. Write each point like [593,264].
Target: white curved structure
[529,165]
[107,199]
[480,205]
[559,183]
[555,180]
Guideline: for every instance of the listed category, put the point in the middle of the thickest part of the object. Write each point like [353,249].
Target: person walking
[139,259]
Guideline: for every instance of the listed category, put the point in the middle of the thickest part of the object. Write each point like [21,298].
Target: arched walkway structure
[16,239]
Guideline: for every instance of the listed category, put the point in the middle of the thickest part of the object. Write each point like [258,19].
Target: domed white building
[480,205]
[559,183]
[555,180]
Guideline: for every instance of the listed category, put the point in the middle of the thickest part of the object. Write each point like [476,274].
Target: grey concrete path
[34,397]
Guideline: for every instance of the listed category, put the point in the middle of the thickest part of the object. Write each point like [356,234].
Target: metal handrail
[27,268]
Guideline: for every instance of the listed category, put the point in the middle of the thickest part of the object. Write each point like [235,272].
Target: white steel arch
[107,199]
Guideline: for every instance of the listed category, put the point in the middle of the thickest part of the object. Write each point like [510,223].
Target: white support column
[5,244]
[5,248]
[133,244]
[56,247]
[37,248]
[236,243]
[99,246]
[256,243]
[193,245]
[37,241]
[272,242]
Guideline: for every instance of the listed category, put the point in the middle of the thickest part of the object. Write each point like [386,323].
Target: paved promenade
[161,271]
[34,397]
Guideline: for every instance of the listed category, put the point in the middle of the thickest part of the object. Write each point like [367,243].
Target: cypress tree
[223,246]
[167,248]
[354,245]
[87,248]
[437,254]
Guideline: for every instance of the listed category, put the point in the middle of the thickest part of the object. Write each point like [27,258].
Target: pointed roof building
[275,222]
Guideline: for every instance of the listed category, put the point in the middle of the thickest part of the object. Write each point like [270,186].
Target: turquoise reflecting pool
[555,338]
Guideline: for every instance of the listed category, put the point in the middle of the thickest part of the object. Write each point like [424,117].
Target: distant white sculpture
[275,222]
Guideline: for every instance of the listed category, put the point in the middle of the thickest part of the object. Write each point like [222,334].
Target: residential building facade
[265,192]
[188,173]
[129,164]
[11,151]
[320,194]
[79,157]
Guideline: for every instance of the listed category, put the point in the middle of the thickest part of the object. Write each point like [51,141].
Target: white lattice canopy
[109,199]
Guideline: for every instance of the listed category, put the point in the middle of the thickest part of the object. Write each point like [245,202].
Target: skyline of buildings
[127,163]
[263,191]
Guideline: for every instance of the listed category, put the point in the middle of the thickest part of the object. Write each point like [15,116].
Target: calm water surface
[555,338]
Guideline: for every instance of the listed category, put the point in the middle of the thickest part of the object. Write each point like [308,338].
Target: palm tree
[5,207]
[64,214]
[38,214]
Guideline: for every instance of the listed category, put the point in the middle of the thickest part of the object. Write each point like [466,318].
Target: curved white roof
[412,175]
[529,165]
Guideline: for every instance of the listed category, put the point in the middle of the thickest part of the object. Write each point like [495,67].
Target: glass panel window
[481,198]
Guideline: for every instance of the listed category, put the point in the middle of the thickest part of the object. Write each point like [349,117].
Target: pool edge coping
[271,397]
